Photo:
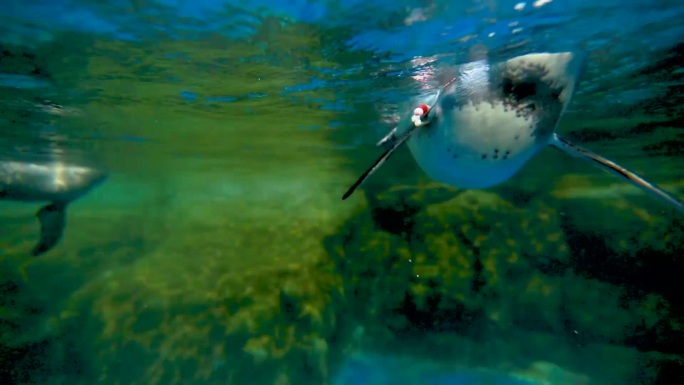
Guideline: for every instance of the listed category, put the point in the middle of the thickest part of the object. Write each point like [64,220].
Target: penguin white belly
[475,145]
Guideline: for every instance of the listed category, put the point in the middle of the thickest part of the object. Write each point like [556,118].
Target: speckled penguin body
[492,119]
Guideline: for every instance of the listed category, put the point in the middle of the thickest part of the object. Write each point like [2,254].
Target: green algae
[478,266]
[241,327]
[246,296]
[201,257]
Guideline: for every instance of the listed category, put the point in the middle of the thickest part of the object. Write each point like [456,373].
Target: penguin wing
[52,219]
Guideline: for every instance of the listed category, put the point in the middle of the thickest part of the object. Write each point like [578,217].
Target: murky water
[219,249]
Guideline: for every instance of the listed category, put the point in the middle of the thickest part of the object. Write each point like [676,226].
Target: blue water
[232,128]
[389,370]
[631,31]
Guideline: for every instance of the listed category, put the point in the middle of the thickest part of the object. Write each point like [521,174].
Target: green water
[219,250]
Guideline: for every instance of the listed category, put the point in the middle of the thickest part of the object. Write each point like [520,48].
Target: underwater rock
[26,335]
[153,324]
[475,265]
[624,228]
[32,290]
[670,372]
[450,267]
[640,251]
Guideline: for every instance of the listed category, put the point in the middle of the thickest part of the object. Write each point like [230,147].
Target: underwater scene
[342,192]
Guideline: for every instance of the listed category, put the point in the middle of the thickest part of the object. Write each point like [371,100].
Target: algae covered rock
[619,218]
[155,325]
[475,265]
[451,264]
[638,250]
[23,337]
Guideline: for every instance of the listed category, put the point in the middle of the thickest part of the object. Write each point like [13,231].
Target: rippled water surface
[218,251]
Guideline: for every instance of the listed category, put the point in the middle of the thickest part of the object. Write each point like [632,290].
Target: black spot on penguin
[507,86]
[525,90]
[519,91]
[484,156]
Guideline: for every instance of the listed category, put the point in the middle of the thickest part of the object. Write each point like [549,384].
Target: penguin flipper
[52,219]
[618,170]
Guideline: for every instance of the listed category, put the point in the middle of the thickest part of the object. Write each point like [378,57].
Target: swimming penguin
[53,181]
[487,122]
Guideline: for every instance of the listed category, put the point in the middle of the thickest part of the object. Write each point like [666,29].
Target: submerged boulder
[454,264]
[479,266]
[154,325]
[634,245]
